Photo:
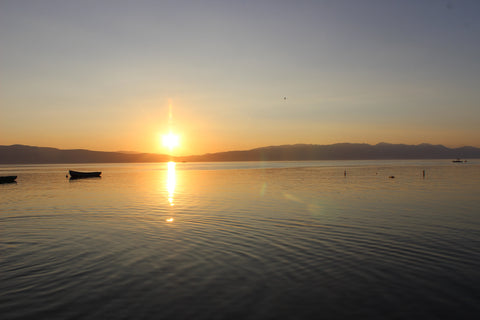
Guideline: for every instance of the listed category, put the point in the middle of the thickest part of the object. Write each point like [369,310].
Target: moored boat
[79,174]
[7,179]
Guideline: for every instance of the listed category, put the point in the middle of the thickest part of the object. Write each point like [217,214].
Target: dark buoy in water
[392,177]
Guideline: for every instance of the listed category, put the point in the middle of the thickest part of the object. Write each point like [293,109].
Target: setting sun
[170,140]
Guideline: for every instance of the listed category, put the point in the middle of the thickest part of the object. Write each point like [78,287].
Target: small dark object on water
[424,173]
[80,175]
[392,177]
[345,173]
[7,179]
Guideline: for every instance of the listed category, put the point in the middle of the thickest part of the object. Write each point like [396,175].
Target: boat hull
[7,179]
[81,175]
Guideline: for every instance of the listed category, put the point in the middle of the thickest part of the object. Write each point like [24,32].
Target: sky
[116,75]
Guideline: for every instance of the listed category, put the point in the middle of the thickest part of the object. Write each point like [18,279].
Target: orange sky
[205,133]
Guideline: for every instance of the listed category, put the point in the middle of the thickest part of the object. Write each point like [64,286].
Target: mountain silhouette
[21,154]
[341,151]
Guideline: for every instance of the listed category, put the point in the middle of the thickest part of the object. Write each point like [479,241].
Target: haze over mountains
[21,154]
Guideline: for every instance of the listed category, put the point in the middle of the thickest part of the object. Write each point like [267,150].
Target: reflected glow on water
[171,181]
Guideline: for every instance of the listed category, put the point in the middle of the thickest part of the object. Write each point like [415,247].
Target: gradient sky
[101,75]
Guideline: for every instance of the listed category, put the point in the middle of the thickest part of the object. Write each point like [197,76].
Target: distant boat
[459,160]
[7,179]
[79,175]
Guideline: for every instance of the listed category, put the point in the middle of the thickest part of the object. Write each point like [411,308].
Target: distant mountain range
[21,154]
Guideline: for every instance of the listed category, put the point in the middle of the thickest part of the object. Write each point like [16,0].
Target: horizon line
[240,150]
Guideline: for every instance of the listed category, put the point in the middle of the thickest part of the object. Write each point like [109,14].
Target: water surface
[251,240]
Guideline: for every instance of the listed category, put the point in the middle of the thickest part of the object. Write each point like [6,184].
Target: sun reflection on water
[171,181]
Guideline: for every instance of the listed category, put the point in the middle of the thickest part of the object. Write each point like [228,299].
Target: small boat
[459,160]
[79,174]
[7,179]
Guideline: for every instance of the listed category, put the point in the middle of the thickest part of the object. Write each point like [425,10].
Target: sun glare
[170,140]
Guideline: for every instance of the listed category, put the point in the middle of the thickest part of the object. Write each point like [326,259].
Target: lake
[242,240]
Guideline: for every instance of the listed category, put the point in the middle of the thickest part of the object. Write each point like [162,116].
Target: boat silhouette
[7,179]
[81,175]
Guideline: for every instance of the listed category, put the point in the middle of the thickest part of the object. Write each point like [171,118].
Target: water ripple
[265,243]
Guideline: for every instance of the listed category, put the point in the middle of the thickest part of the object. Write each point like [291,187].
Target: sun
[170,140]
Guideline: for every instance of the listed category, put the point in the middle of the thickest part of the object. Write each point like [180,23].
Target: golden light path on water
[171,182]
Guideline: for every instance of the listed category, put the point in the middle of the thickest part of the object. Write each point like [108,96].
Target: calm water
[280,240]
